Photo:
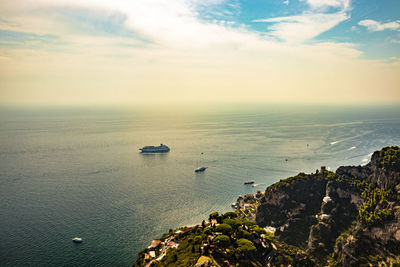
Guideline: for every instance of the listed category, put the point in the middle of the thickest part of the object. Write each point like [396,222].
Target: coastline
[245,208]
[305,220]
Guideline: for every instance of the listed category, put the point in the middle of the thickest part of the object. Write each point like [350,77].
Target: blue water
[77,172]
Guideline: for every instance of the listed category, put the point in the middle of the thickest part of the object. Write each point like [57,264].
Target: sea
[70,172]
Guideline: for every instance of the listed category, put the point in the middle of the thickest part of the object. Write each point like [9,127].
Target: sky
[171,51]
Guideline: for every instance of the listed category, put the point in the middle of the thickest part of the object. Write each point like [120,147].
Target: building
[155,243]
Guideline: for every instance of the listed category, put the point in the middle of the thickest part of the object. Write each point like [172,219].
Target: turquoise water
[77,172]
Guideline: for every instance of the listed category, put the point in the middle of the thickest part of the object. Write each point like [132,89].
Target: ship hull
[155,149]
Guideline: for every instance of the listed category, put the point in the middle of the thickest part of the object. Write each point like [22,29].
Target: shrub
[249,223]
[390,158]
[222,241]
[245,246]
[232,222]
[259,230]
[208,230]
[230,214]
[243,234]
[269,236]
[224,228]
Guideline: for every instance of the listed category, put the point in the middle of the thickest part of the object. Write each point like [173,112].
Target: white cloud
[311,23]
[375,26]
[344,4]
[171,23]
[286,2]
[297,29]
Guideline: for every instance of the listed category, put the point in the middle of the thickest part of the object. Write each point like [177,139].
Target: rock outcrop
[350,218]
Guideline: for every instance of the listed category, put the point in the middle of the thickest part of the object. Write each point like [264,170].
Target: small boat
[77,240]
[200,169]
[249,182]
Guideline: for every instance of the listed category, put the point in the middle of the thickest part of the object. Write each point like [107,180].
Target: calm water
[77,172]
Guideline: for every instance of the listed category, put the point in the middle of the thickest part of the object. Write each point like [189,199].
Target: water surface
[77,172]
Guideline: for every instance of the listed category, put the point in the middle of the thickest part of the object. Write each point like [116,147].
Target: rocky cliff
[351,217]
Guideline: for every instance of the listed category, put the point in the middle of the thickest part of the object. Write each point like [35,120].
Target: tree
[245,246]
[213,215]
[243,234]
[224,228]
[269,236]
[259,230]
[249,223]
[222,241]
[230,214]
[208,230]
[233,223]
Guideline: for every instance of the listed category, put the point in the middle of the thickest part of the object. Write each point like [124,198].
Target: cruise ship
[155,149]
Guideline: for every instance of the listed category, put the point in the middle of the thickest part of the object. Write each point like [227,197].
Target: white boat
[201,168]
[77,240]
[249,182]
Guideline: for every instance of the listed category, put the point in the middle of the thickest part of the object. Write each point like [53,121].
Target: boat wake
[334,143]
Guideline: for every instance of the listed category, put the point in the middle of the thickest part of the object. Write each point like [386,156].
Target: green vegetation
[373,211]
[243,234]
[232,222]
[230,215]
[390,158]
[329,174]
[223,228]
[269,236]
[289,182]
[222,241]
[259,230]
[245,246]
[285,183]
[370,213]
[215,216]
[185,255]
[249,223]
[287,254]
[236,244]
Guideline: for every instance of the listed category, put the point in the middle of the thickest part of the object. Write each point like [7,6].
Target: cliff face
[290,206]
[349,217]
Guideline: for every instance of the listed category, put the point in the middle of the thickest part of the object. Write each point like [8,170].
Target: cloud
[286,2]
[309,24]
[315,4]
[172,23]
[375,26]
[297,29]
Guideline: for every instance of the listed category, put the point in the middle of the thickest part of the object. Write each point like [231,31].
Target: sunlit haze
[156,51]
